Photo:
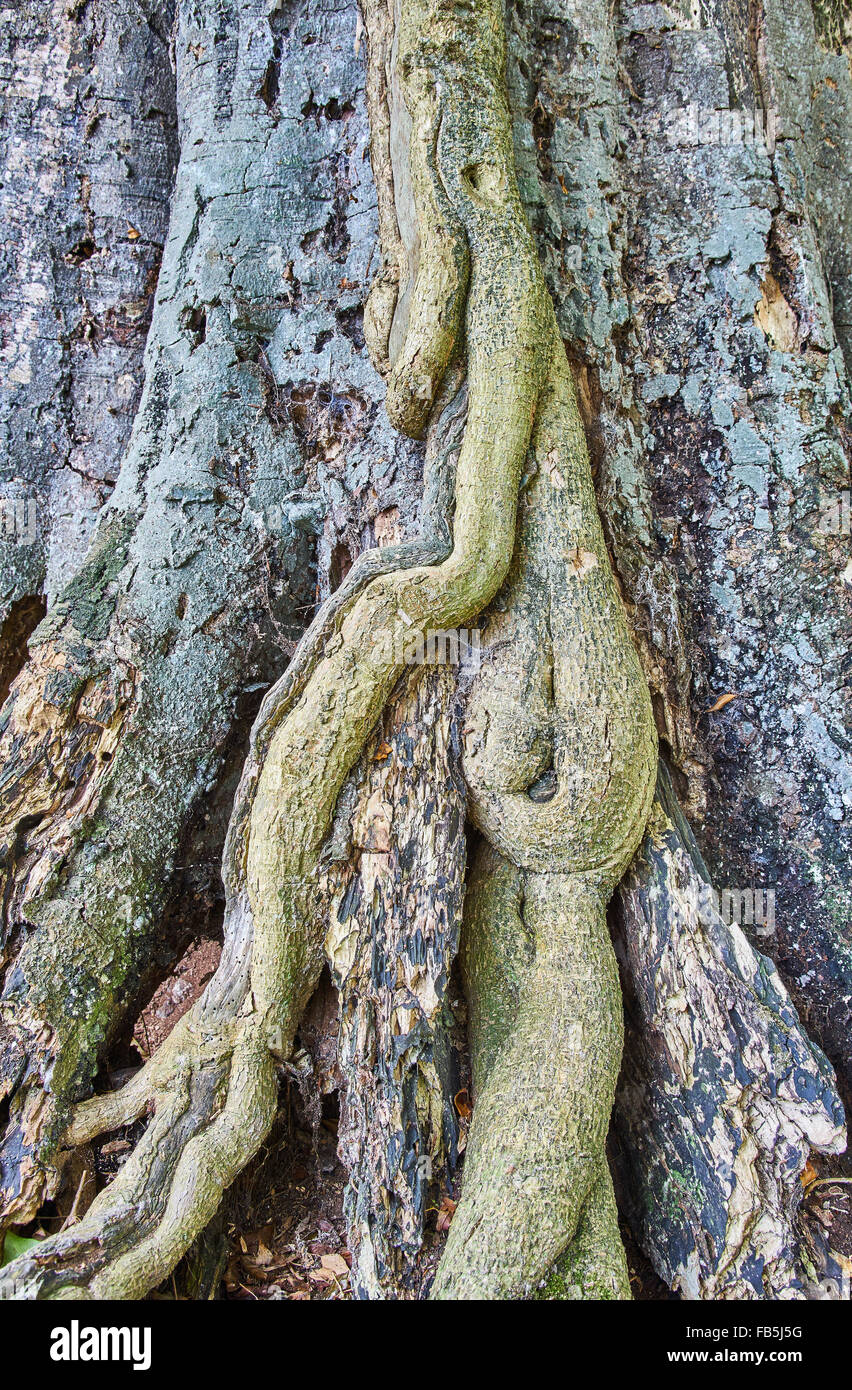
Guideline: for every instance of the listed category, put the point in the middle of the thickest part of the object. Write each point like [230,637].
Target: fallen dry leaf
[335,1264]
[461,1100]
[723,700]
[446,1213]
[808,1174]
[116,1146]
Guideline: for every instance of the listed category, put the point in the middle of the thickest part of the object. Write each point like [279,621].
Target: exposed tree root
[564,807]
[560,758]
[547,1036]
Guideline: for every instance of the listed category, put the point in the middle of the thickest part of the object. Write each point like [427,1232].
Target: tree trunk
[89,149]
[637,426]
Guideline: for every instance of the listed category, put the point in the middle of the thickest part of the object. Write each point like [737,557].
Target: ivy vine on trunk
[529,1188]
[512,805]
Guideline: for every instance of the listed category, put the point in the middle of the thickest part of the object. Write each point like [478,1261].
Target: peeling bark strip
[393,935]
[722,1096]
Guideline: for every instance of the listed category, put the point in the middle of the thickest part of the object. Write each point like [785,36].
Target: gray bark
[87,115]
[253,423]
[746,397]
[702,291]
[663,330]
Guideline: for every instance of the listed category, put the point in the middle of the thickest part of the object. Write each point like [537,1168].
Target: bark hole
[268,92]
[20,623]
[341,564]
[195,321]
[175,992]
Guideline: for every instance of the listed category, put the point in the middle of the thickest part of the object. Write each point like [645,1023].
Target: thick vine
[561,808]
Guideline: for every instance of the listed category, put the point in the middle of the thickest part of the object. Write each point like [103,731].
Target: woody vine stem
[560,749]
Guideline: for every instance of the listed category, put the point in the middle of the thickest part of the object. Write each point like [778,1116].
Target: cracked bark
[564,70]
[749,423]
[88,154]
[115,732]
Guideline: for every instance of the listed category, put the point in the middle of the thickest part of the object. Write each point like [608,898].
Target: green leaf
[13,1246]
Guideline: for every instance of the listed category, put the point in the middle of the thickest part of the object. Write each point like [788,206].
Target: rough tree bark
[117,728]
[88,155]
[256,311]
[749,448]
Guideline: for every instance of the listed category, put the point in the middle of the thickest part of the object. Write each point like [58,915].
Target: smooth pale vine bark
[560,759]
[213,1084]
